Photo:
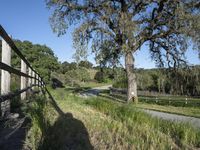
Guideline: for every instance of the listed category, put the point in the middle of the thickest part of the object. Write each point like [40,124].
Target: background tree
[85,64]
[40,57]
[121,27]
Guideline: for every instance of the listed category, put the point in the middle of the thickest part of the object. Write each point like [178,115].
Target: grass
[177,101]
[186,111]
[173,101]
[105,125]
[173,97]
[192,111]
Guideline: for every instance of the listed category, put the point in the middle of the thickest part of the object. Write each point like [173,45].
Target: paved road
[166,116]
[173,117]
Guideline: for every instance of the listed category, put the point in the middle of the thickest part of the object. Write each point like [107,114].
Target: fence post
[29,79]
[36,79]
[33,79]
[37,82]
[40,83]
[5,78]
[23,80]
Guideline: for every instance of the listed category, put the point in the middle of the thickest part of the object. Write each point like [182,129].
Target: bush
[120,80]
[99,76]
[102,77]
[76,76]
[120,83]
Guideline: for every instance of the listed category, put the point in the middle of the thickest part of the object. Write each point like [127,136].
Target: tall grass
[42,116]
[182,134]
[110,125]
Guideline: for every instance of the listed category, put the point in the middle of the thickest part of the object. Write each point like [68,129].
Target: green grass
[110,125]
[172,97]
[177,101]
[171,102]
[186,111]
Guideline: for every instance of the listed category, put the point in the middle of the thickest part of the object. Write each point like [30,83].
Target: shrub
[99,76]
[76,76]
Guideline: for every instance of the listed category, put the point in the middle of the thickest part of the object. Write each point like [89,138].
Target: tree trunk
[132,85]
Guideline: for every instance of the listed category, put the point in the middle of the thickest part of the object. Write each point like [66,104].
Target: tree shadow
[67,133]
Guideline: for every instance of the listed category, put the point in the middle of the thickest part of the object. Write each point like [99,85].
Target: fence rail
[158,99]
[30,78]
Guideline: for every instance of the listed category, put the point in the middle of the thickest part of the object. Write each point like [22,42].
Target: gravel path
[174,117]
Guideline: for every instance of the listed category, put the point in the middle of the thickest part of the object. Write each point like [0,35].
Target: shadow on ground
[67,133]
[14,127]
[13,133]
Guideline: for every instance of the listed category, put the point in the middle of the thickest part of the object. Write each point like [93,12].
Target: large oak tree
[118,28]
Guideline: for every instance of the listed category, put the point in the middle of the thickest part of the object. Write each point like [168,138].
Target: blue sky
[29,20]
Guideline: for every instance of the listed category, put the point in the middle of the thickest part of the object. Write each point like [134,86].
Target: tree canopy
[40,57]
[118,28]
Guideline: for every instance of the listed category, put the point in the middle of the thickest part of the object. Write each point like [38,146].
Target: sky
[29,20]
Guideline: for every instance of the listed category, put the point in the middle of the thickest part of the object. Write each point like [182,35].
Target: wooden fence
[29,77]
[156,98]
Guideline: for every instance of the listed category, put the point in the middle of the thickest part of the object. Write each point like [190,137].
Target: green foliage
[120,80]
[182,81]
[102,77]
[85,64]
[66,66]
[40,57]
[99,76]
[75,76]
[104,74]
[118,27]
[121,83]
[130,116]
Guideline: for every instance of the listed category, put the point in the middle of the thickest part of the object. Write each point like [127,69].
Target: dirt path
[94,91]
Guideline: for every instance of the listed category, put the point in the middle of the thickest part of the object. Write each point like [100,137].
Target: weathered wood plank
[10,95]
[33,79]
[23,79]
[13,70]
[9,41]
[29,79]
[5,77]
[36,76]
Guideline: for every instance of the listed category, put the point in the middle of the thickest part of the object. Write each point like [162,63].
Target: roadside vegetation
[109,124]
